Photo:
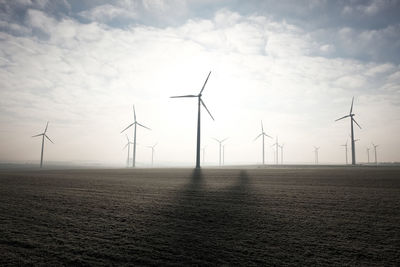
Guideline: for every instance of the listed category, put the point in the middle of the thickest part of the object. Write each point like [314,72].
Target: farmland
[252,216]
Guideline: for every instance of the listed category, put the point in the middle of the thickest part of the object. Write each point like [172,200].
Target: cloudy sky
[296,65]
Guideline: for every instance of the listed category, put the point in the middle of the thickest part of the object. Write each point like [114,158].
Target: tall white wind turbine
[135,123]
[199,103]
[263,134]
[220,147]
[43,136]
[353,147]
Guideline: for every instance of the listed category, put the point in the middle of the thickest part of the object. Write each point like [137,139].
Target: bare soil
[311,216]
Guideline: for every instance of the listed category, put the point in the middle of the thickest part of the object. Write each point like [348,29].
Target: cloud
[84,77]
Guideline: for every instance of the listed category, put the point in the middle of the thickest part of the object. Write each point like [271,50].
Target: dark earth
[270,216]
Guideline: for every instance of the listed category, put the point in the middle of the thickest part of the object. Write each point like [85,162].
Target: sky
[295,65]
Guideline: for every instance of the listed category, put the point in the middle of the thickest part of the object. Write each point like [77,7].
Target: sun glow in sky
[295,65]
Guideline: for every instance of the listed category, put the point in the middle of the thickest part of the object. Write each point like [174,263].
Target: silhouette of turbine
[220,144]
[152,153]
[276,144]
[353,148]
[263,134]
[43,136]
[200,102]
[128,144]
[135,122]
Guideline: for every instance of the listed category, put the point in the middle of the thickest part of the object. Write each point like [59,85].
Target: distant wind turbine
[43,136]
[376,157]
[276,144]
[128,144]
[368,153]
[345,146]
[220,146]
[353,148]
[281,147]
[223,154]
[200,101]
[135,123]
[152,153]
[263,134]
[316,154]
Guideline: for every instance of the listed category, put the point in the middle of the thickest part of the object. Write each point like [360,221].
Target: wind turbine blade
[351,109]
[37,135]
[204,85]
[125,146]
[155,145]
[257,137]
[127,138]
[45,130]
[204,105]
[48,138]
[179,96]
[216,140]
[262,127]
[356,123]
[143,126]
[266,135]
[342,117]
[134,113]
[225,139]
[127,127]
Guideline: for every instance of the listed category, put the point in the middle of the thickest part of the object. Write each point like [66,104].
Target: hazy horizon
[295,65]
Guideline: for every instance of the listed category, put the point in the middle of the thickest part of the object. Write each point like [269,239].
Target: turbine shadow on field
[205,223]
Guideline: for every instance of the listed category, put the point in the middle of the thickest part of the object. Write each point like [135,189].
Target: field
[288,216]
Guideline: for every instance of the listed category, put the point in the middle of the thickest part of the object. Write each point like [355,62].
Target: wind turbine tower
[43,136]
[199,103]
[135,124]
[276,150]
[353,148]
[316,154]
[220,148]
[376,157]
[128,144]
[345,146]
[368,153]
[263,134]
[281,147]
[152,153]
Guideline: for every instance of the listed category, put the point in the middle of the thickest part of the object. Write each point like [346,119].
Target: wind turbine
[281,147]
[345,146]
[135,123]
[376,158]
[276,144]
[353,148]
[43,136]
[263,134]
[316,154]
[223,154]
[128,144]
[152,153]
[220,144]
[368,153]
[200,101]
